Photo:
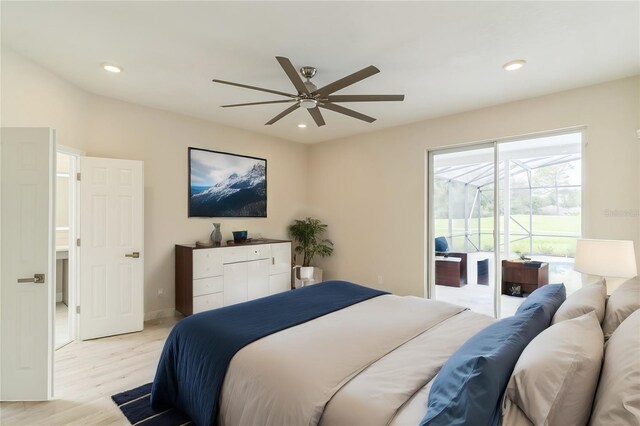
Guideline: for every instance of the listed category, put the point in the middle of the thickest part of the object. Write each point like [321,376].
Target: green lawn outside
[554,226]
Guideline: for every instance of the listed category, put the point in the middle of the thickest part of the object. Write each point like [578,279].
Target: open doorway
[66,222]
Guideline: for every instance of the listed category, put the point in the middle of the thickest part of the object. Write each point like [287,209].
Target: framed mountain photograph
[226,185]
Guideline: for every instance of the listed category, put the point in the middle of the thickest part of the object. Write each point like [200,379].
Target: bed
[359,366]
[335,354]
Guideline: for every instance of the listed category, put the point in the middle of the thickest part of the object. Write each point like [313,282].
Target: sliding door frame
[431,222]
[429,270]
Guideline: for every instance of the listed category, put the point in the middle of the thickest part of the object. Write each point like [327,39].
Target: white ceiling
[446,57]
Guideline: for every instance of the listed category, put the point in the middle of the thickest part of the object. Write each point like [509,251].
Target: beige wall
[370,189]
[160,139]
[103,127]
[35,97]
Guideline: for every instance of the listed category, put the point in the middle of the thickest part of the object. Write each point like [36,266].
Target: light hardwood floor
[88,373]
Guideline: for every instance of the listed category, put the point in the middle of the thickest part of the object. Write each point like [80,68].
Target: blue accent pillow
[442,246]
[550,297]
[469,387]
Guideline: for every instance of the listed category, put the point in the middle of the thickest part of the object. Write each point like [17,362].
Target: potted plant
[308,235]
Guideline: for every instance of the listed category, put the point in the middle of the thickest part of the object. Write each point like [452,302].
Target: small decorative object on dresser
[308,235]
[240,236]
[209,278]
[216,234]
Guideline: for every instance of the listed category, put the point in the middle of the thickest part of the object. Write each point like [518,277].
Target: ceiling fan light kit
[311,98]
[308,103]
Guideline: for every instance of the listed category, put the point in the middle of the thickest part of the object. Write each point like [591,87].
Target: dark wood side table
[452,271]
[516,273]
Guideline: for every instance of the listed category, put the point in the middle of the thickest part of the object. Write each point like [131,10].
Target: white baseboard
[161,313]
[59,297]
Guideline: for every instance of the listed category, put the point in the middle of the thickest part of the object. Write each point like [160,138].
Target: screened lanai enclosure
[537,215]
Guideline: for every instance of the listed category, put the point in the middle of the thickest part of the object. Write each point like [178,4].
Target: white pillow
[617,401]
[555,378]
[592,297]
[623,302]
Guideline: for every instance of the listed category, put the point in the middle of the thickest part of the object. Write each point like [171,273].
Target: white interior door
[27,268]
[111,249]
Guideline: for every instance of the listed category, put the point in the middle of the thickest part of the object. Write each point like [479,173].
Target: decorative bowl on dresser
[209,278]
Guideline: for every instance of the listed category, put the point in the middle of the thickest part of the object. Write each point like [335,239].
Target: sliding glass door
[541,213]
[503,220]
[462,206]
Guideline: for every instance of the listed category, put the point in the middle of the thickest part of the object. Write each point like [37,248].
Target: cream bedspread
[369,364]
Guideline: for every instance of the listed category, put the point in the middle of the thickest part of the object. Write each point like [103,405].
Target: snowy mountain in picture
[225,185]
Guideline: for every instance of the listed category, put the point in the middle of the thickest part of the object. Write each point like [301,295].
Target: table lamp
[606,258]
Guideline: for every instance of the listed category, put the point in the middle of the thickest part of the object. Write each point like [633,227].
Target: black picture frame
[238,192]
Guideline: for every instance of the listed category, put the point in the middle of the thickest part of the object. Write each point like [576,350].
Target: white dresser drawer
[207,263]
[207,302]
[208,285]
[262,251]
[234,254]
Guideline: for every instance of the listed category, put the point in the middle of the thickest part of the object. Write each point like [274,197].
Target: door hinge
[78,309]
[78,242]
[78,176]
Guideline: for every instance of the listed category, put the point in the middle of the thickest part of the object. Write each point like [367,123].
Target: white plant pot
[306,273]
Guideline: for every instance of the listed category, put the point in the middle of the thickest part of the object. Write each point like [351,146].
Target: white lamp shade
[606,258]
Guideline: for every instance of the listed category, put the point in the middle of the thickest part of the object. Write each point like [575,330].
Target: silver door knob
[37,278]
[134,255]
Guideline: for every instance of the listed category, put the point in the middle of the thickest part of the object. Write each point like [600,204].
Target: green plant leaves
[308,234]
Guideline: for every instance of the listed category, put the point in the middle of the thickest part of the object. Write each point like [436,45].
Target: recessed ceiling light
[112,68]
[302,125]
[514,65]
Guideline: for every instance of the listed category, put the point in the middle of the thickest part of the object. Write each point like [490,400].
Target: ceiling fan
[312,99]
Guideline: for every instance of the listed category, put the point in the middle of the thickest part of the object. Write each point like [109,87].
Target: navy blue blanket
[198,350]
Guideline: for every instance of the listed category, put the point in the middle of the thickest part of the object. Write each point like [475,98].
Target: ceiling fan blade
[282,114]
[317,116]
[347,111]
[255,88]
[347,81]
[293,75]
[259,103]
[365,98]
